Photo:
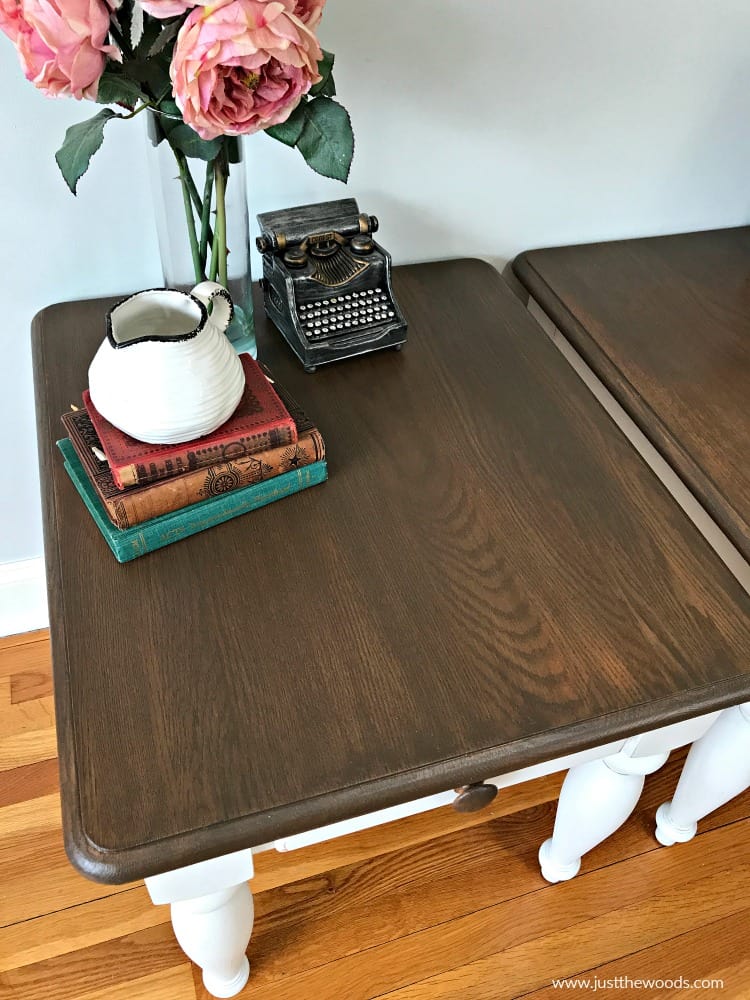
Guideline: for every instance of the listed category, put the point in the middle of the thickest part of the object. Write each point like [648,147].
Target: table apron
[658,741]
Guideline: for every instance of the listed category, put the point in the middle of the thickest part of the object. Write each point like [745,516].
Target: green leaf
[150,31]
[80,143]
[168,32]
[182,137]
[289,131]
[152,73]
[327,140]
[325,68]
[164,119]
[327,89]
[114,88]
[170,108]
[137,16]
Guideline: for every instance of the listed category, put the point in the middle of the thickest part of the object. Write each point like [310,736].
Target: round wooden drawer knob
[471,798]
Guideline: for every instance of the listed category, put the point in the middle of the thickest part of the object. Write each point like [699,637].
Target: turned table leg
[717,768]
[595,800]
[214,931]
[212,917]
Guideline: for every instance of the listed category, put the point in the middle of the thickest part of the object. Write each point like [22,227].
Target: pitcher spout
[158,314]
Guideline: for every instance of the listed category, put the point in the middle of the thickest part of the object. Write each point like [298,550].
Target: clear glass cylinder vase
[200,207]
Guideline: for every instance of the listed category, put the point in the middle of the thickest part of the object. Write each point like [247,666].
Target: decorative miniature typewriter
[327,283]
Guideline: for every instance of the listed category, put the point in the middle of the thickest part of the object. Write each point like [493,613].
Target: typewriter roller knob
[362,244]
[295,258]
[472,798]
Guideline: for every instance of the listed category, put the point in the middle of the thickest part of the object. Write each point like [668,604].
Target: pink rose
[310,11]
[61,43]
[242,65]
[10,18]
[170,8]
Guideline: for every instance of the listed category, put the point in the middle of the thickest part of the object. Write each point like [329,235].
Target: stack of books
[144,496]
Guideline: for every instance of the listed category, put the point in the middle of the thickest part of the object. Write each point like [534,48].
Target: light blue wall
[482,129]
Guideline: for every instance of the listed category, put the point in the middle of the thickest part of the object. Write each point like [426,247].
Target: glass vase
[202,222]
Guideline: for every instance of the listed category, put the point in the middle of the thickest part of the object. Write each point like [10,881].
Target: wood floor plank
[27,747]
[36,876]
[27,729]
[28,685]
[36,714]
[77,927]
[24,639]
[170,984]
[112,964]
[32,781]
[20,657]
[28,817]
[689,958]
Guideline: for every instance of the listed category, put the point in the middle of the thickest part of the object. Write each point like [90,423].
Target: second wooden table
[665,324]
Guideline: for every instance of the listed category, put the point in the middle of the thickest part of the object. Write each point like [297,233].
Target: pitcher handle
[209,292]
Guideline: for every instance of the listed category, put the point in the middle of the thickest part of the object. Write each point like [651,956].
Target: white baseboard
[23,597]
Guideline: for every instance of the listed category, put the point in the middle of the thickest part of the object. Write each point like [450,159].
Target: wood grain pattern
[519,944]
[664,323]
[435,905]
[417,624]
[692,956]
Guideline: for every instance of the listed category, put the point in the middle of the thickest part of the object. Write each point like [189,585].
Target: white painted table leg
[212,916]
[717,768]
[214,931]
[595,800]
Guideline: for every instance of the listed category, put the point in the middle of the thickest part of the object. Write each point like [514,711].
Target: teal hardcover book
[129,543]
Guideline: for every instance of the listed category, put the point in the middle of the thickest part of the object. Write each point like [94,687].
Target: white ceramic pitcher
[166,372]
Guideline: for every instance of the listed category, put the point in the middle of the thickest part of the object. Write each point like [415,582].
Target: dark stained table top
[490,578]
[665,323]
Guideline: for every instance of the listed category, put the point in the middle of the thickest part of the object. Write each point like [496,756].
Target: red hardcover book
[136,504]
[260,422]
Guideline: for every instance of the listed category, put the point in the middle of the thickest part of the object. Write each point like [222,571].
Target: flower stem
[200,210]
[206,214]
[213,270]
[220,177]
[196,198]
[194,249]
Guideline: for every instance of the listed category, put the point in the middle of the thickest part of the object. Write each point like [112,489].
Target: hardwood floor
[435,907]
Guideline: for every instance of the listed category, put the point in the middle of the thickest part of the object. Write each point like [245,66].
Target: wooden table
[491,580]
[665,324]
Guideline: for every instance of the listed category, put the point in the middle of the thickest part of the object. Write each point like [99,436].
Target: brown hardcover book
[261,421]
[137,504]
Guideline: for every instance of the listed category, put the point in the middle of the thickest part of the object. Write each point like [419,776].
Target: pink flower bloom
[242,65]
[61,43]
[170,8]
[10,18]
[310,11]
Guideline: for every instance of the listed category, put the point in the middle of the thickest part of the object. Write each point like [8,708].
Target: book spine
[142,473]
[156,535]
[132,508]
